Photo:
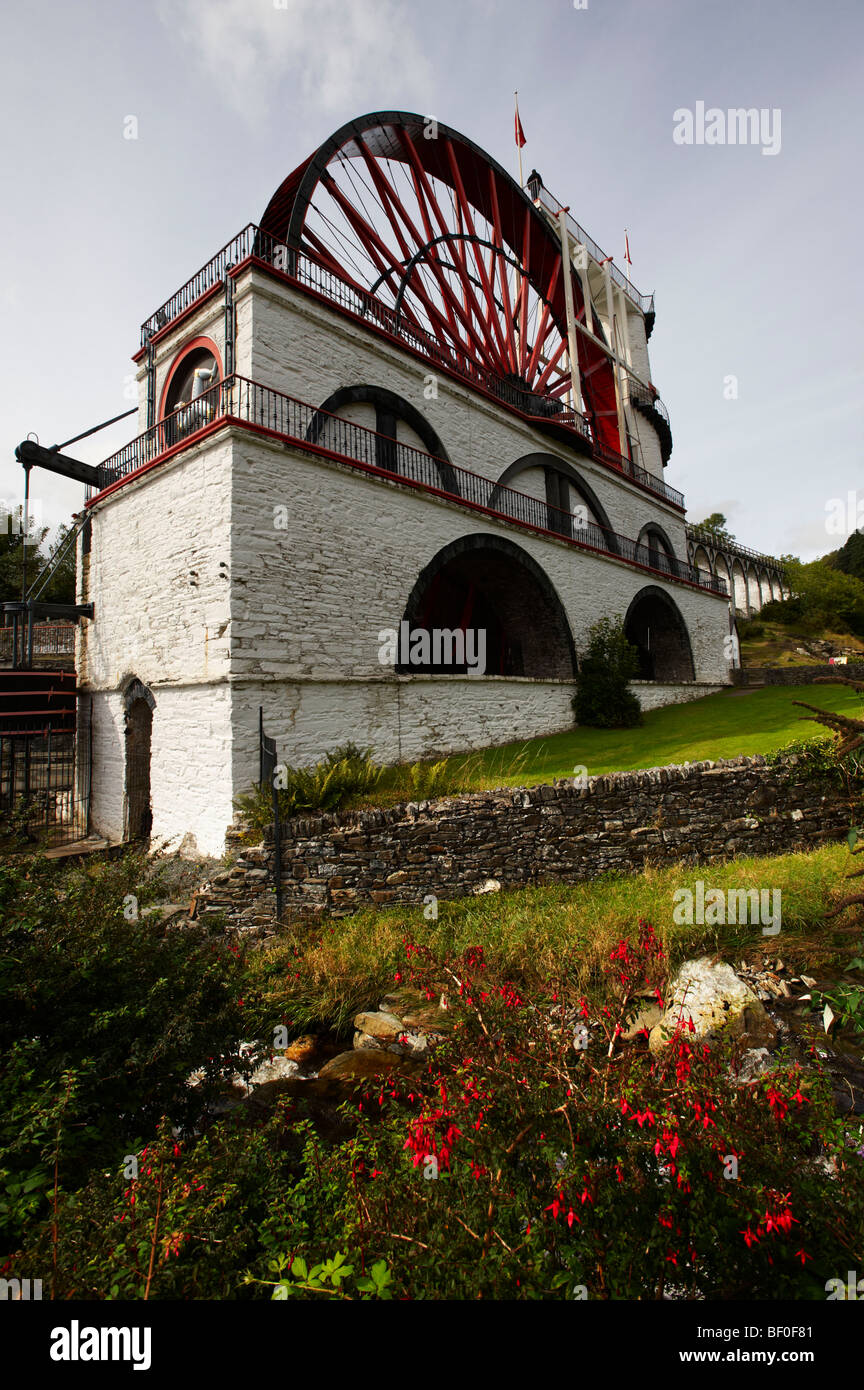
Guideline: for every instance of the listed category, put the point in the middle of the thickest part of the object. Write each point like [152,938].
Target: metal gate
[45,783]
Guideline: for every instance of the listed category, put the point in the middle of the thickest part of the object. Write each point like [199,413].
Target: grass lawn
[718,726]
[322,975]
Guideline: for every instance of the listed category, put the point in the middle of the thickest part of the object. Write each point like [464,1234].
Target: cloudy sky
[755,259]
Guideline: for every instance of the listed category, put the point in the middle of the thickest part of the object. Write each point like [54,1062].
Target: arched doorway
[657,630]
[139,704]
[489,585]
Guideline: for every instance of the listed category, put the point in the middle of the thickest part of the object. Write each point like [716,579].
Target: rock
[754,1063]
[647,1017]
[491,885]
[303,1050]
[385,1026]
[711,994]
[351,1069]
[278,1068]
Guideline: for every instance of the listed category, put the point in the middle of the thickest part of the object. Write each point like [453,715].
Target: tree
[716,524]
[850,557]
[603,698]
[825,597]
[61,586]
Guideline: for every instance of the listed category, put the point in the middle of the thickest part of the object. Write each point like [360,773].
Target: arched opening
[739,582]
[657,630]
[396,424]
[764,588]
[721,569]
[702,561]
[189,398]
[754,598]
[485,593]
[139,704]
[656,549]
[572,508]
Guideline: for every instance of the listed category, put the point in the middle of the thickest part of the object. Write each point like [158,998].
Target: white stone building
[387,403]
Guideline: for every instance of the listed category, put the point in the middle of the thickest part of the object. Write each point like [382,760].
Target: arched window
[188,396]
[572,507]
[389,408]
[656,549]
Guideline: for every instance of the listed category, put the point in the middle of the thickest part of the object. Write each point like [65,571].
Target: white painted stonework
[200,596]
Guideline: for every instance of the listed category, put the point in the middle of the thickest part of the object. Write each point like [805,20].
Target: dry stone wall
[700,812]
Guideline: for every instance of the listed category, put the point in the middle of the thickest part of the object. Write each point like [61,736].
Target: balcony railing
[306,272]
[541,194]
[49,639]
[700,537]
[239,400]
[639,475]
[647,397]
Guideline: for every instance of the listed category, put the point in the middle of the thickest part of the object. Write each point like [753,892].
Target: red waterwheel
[416,215]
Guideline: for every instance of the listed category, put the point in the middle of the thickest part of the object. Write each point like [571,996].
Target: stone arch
[754,598]
[655,626]
[139,704]
[390,408]
[776,587]
[660,550]
[489,584]
[739,588]
[702,560]
[557,469]
[764,588]
[721,570]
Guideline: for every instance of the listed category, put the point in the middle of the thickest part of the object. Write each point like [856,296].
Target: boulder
[709,993]
[358,1068]
[645,1019]
[385,1026]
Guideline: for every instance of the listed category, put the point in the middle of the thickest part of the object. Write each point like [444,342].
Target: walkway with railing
[245,402]
[363,305]
[715,542]
[49,639]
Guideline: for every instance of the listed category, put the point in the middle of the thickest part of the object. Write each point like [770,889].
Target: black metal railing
[45,787]
[700,537]
[639,475]
[239,399]
[645,302]
[49,639]
[364,305]
[643,395]
[210,275]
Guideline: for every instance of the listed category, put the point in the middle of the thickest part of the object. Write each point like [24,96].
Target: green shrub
[343,773]
[603,699]
[538,1156]
[103,1013]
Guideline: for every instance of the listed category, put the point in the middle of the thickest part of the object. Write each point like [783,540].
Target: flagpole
[518,146]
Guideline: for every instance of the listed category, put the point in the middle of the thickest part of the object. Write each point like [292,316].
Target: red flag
[520,134]
[627,248]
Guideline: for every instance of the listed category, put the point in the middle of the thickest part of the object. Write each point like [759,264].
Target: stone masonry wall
[701,813]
